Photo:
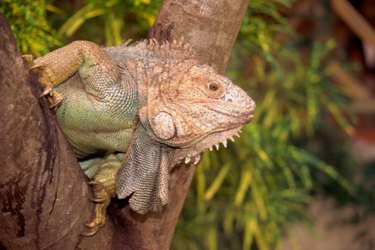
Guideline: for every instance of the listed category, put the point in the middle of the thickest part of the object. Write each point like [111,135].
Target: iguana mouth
[192,154]
[226,130]
[245,114]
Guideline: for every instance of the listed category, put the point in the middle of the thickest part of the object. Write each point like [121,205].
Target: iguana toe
[29,59]
[97,190]
[97,199]
[101,198]
[91,232]
[103,189]
[94,183]
[54,99]
[93,227]
[46,91]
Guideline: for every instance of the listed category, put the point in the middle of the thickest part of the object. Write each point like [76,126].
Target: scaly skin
[154,103]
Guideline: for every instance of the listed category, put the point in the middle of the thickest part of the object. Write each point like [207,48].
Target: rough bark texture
[210,26]
[43,193]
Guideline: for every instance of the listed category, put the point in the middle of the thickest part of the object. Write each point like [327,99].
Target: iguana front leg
[96,69]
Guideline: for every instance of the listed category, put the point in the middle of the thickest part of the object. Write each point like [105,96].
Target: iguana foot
[103,188]
[102,199]
[53,97]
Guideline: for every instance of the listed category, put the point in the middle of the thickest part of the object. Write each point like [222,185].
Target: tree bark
[28,149]
[43,193]
[210,26]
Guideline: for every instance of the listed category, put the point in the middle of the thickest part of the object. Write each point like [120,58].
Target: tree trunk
[43,192]
[210,26]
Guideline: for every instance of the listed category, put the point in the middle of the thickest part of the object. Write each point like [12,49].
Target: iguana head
[194,108]
[184,108]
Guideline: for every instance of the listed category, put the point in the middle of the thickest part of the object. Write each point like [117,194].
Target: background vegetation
[248,195]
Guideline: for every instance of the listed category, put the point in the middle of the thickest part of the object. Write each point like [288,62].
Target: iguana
[143,109]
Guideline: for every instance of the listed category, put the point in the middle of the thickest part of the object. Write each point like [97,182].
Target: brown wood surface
[43,193]
[211,27]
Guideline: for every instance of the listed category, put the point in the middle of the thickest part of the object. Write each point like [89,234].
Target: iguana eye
[214,86]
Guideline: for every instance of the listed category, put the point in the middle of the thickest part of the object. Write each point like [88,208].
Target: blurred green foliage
[247,196]
[27,19]
[42,25]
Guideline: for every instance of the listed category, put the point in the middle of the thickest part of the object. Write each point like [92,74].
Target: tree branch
[211,27]
[43,193]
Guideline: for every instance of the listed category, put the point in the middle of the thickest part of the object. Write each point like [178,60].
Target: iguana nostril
[250,104]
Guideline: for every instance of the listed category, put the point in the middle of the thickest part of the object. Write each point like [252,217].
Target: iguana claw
[93,227]
[91,232]
[97,186]
[102,200]
[97,199]
[94,183]
[54,98]
[46,91]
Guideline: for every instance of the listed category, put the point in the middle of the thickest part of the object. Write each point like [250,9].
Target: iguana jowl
[147,107]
